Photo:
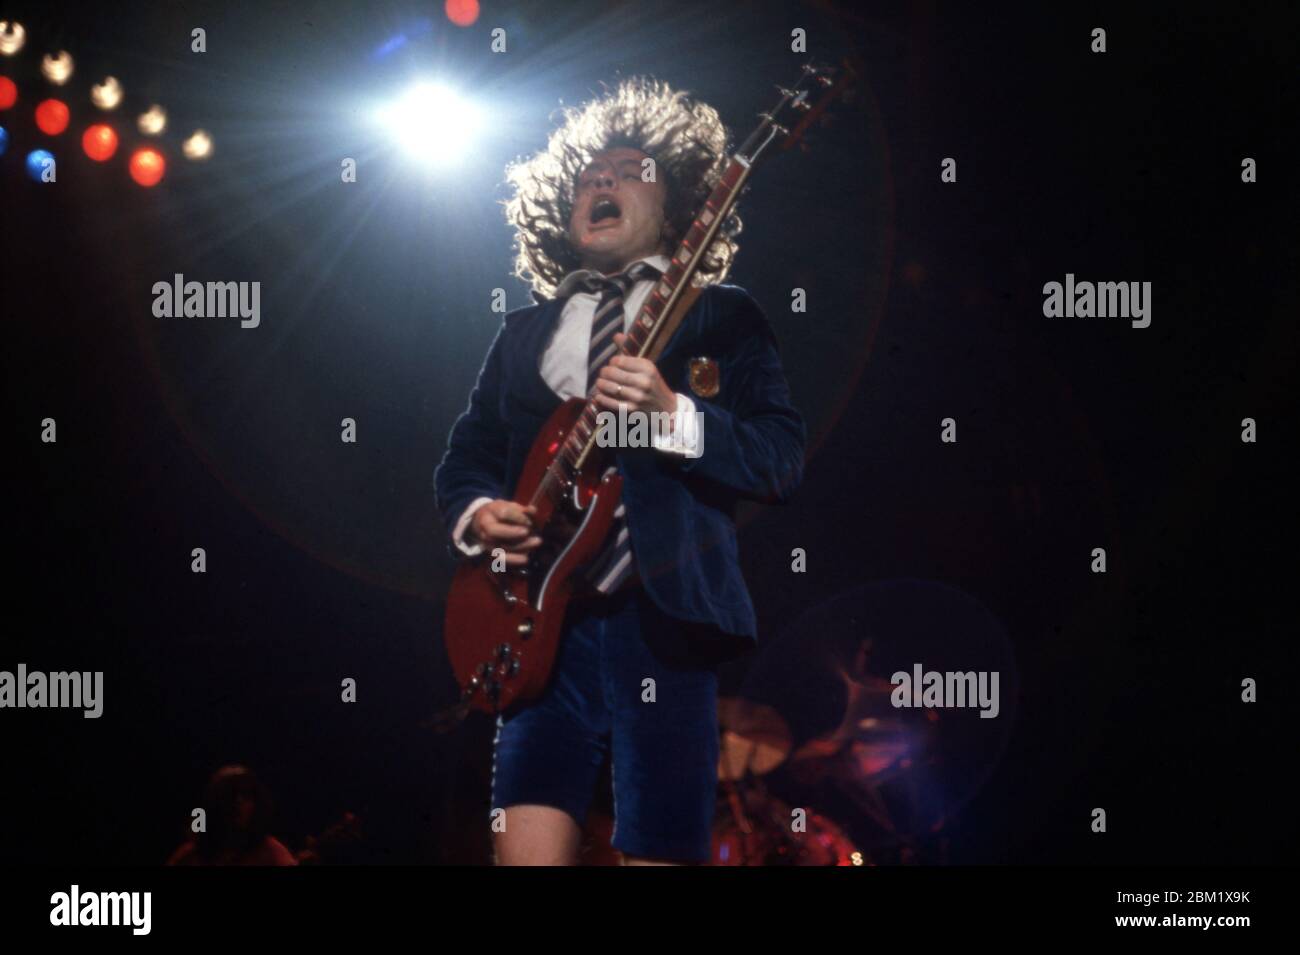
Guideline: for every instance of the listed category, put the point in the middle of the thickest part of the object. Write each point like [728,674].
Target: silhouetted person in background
[238,809]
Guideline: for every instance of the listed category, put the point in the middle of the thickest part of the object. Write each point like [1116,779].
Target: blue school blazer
[680,511]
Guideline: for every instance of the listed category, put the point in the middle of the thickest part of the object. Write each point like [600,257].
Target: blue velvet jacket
[680,511]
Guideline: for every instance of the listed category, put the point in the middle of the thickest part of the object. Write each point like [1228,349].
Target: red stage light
[52,117]
[147,167]
[99,142]
[462,12]
[8,92]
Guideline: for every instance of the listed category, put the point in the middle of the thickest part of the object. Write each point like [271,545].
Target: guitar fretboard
[649,321]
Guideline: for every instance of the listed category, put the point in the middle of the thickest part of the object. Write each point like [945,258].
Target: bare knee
[537,835]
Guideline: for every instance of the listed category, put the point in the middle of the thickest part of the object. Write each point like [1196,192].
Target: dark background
[326,560]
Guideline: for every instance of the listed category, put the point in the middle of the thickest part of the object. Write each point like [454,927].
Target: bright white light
[57,67]
[432,123]
[12,37]
[198,147]
[108,94]
[152,121]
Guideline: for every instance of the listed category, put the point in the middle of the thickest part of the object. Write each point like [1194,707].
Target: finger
[497,531]
[512,513]
[629,363]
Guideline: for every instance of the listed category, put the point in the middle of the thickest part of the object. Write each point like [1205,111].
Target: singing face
[617,216]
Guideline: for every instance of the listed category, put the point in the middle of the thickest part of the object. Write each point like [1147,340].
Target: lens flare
[433,123]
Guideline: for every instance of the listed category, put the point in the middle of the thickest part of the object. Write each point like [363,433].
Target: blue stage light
[4,140]
[36,160]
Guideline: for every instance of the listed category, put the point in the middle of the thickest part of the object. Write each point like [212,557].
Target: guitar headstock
[800,105]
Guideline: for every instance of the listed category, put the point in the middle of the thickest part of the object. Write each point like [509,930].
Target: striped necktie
[613,566]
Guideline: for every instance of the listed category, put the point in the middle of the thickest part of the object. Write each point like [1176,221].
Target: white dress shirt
[563,366]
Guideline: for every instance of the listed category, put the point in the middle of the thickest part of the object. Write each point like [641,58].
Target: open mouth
[604,210]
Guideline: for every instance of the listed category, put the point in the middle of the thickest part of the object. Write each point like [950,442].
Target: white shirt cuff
[684,438]
[462,525]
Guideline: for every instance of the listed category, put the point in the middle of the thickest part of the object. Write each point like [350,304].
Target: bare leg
[537,835]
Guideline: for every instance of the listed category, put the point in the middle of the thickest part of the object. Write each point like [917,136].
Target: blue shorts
[663,754]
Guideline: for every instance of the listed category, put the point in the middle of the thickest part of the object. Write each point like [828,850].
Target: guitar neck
[671,298]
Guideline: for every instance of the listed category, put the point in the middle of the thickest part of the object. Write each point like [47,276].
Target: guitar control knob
[514,667]
[503,651]
[526,629]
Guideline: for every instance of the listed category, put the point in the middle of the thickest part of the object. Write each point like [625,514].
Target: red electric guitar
[503,626]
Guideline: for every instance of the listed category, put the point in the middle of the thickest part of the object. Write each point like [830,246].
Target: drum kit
[869,758]
[817,765]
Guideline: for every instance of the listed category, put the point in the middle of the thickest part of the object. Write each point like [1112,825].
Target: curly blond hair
[687,141]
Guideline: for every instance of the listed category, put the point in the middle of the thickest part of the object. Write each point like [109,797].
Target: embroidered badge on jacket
[704,377]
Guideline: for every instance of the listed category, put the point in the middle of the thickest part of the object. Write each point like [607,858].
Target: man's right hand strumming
[508,525]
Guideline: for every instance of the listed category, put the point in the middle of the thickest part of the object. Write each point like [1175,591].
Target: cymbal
[755,738]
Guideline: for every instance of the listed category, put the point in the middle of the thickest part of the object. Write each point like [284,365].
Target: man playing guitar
[597,215]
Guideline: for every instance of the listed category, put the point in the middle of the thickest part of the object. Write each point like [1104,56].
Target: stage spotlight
[57,67]
[108,94]
[99,142]
[8,92]
[36,160]
[153,120]
[463,13]
[4,140]
[52,117]
[198,147]
[147,167]
[432,123]
[12,37]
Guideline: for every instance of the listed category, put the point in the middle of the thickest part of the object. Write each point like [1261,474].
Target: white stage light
[12,37]
[108,94]
[152,121]
[57,67]
[432,123]
[198,147]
